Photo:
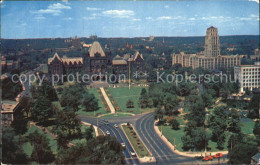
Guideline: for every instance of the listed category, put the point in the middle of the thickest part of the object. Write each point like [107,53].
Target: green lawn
[98,112]
[136,142]
[123,94]
[248,126]
[176,135]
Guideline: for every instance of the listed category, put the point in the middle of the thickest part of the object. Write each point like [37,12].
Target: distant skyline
[52,19]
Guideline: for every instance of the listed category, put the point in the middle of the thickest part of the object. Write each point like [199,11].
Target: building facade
[210,59]
[248,76]
[95,60]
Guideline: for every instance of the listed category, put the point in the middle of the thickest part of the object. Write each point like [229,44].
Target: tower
[212,42]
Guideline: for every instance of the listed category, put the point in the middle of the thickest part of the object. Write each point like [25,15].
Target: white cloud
[148,18]
[119,13]
[93,9]
[58,6]
[254,16]
[192,19]
[166,6]
[136,19]
[164,18]
[245,19]
[39,17]
[257,1]
[54,9]
[68,18]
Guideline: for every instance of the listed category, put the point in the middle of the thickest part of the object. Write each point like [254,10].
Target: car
[116,126]
[123,145]
[107,132]
[132,153]
[218,155]
[106,122]
[207,158]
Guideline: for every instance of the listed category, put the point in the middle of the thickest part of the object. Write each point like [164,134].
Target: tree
[42,153]
[89,133]
[243,148]
[10,89]
[158,114]
[71,97]
[254,106]
[90,102]
[175,124]
[100,150]
[12,152]
[25,105]
[257,131]
[234,125]
[42,110]
[197,112]
[47,90]
[218,124]
[196,139]
[130,104]
[67,125]
[170,104]
[144,100]
[20,122]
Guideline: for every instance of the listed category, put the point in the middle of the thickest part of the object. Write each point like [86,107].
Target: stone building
[95,60]
[210,59]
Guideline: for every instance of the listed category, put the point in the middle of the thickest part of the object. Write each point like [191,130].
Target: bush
[175,124]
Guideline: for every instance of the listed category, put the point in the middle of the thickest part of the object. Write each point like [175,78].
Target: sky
[51,19]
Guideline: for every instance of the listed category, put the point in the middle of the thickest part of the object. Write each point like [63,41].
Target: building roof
[96,48]
[65,59]
[52,58]
[138,54]
[256,157]
[76,60]
[8,106]
[119,62]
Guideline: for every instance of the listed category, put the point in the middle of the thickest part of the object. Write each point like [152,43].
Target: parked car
[207,158]
[107,132]
[116,126]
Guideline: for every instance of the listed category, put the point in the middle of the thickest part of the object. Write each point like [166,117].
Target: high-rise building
[248,76]
[212,42]
[210,59]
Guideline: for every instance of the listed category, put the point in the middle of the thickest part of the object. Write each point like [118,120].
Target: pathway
[110,105]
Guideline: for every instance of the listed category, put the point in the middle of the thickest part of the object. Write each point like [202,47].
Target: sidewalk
[110,105]
[188,154]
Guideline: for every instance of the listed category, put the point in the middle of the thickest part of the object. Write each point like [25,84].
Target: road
[144,127]
[116,132]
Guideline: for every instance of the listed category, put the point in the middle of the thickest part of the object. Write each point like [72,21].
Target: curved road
[144,125]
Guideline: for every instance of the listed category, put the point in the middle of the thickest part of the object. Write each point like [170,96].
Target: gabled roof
[137,54]
[256,157]
[55,56]
[119,62]
[96,48]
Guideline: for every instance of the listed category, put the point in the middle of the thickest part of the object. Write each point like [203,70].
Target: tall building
[248,76]
[210,59]
[212,42]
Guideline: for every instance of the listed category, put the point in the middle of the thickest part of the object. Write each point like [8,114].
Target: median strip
[135,141]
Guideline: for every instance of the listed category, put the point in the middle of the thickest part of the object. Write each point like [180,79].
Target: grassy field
[247,126]
[136,142]
[98,112]
[123,94]
[176,135]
